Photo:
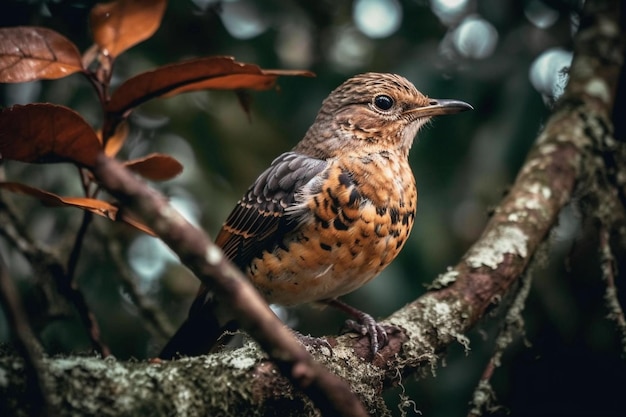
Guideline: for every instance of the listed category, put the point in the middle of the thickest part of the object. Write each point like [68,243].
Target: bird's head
[373,111]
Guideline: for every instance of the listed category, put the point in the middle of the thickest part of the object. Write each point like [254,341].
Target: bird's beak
[437,107]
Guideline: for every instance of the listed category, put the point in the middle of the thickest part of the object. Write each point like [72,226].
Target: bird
[328,216]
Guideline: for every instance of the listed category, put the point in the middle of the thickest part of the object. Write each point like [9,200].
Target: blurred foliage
[569,362]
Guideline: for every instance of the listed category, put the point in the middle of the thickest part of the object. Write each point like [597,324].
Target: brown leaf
[116,141]
[130,220]
[264,80]
[32,53]
[223,73]
[43,133]
[99,207]
[155,167]
[120,25]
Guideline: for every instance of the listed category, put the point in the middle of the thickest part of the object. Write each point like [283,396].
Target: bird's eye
[383,102]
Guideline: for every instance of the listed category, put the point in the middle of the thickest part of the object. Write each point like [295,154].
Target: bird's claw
[363,325]
[312,341]
[368,326]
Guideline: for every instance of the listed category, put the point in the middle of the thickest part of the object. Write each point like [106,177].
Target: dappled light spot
[475,38]
[295,44]
[349,49]
[548,72]
[377,18]
[186,205]
[540,14]
[148,257]
[449,11]
[242,19]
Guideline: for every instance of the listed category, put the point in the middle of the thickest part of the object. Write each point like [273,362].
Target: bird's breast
[357,219]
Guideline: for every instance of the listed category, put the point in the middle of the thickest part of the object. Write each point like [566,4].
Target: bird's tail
[199,332]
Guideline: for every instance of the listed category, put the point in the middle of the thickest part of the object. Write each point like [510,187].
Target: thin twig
[72,260]
[47,266]
[26,343]
[69,288]
[56,279]
[158,324]
[484,397]
[608,266]
[76,297]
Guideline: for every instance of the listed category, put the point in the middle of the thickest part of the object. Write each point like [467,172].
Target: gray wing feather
[269,208]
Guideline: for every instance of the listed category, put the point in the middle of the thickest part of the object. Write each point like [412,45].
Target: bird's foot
[314,342]
[368,326]
[364,324]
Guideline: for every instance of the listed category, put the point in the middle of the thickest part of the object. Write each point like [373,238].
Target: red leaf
[47,133]
[120,25]
[99,207]
[223,73]
[33,53]
[155,167]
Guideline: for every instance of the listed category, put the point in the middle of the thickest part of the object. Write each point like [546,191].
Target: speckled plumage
[327,217]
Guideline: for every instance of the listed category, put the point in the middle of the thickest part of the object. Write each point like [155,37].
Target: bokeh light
[294,44]
[449,11]
[540,14]
[548,72]
[242,19]
[377,18]
[148,257]
[349,49]
[475,37]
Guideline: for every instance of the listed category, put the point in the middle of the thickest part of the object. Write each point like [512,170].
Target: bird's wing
[260,219]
